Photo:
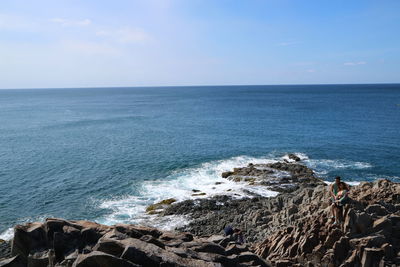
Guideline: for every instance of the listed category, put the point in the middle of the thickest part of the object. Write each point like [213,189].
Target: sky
[100,43]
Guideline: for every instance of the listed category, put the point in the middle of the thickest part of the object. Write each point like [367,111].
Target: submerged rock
[160,205]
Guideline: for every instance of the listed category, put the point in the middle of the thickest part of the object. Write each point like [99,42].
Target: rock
[5,249]
[283,263]
[110,246]
[16,261]
[27,238]
[160,205]
[293,157]
[341,249]
[152,240]
[383,224]
[211,248]
[39,259]
[388,251]
[371,257]
[216,238]
[235,249]
[90,236]
[376,209]
[226,174]
[135,230]
[198,194]
[250,257]
[100,259]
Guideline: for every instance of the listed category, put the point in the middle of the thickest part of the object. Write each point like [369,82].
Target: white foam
[352,183]
[7,234]
[179,185]
[325,165]
[388,177]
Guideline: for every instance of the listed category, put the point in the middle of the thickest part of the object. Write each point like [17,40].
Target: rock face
[369,234]
[58,242]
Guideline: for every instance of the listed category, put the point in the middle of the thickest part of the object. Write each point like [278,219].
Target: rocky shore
[291,229]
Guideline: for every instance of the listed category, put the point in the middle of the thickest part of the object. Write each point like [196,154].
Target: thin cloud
[89,48]
[69,22]
[125,35]
[17,23]
[354,63]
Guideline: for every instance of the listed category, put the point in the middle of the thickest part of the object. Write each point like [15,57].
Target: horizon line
[209,85]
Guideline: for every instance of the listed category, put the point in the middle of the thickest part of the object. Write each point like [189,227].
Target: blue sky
[85,43]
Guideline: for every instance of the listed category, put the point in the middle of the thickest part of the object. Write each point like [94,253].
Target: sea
[104,154]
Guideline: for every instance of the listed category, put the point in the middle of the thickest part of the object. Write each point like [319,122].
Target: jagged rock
[5,249]
[226,174]
[371,257]
[216,238]
[367,236]
[39,259]
[27,238]
[383,224]
[100,259]
[293,157]
[250,257]
[110,246]
[119,245]
[376,209]
[160,205]
[211,248]
[16,261]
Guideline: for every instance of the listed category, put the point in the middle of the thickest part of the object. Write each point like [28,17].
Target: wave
[323,166]
[181,185]
[352,183]
[7,234]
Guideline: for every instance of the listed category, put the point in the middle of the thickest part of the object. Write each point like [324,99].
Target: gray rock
[100,259]
[16,261]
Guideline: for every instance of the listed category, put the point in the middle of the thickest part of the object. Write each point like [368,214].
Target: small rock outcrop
[58,242]
[279,176]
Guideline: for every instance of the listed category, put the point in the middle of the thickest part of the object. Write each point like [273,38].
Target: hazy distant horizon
[207,85]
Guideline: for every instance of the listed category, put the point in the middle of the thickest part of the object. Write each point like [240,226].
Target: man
[333,191]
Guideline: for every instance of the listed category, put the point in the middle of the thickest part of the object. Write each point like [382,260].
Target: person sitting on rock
[340,199]
[333,190]
[235,235]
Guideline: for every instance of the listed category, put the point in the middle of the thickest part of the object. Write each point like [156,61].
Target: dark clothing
[228,230]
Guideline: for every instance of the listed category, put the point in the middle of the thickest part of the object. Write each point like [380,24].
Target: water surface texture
[105,153]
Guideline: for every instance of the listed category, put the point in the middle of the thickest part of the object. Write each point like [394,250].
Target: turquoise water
[104,153]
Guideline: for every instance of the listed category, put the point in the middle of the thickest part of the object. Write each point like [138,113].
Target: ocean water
[103,154]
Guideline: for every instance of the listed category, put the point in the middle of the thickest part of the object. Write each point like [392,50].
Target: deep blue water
[93,153]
